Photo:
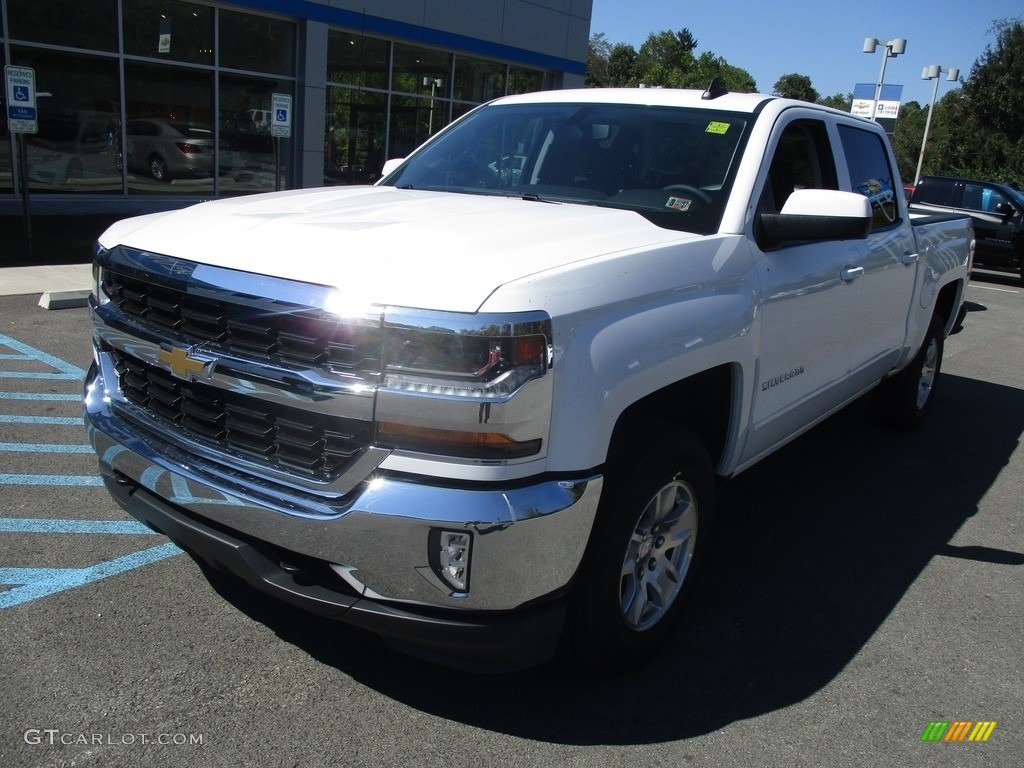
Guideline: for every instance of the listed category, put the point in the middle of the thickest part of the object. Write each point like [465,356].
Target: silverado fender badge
[774,382]
[184,365]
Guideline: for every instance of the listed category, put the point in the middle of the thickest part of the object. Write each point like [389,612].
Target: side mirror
[1006,210]
[818,214]
[391,165]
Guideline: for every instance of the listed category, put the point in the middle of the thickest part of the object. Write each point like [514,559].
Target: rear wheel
[908,396]
[651,528]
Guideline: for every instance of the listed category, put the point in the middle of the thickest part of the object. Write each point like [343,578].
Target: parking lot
[862,586]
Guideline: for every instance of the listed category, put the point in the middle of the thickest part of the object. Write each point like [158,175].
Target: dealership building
[144,105]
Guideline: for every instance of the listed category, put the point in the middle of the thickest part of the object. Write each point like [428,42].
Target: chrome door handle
[849,274]
[909,258]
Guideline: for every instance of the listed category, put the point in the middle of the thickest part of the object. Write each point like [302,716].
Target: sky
[822,39]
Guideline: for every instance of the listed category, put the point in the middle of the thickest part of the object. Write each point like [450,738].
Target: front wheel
[651,528]
[907,397]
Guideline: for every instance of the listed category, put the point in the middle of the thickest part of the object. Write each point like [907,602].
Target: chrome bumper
[526,541]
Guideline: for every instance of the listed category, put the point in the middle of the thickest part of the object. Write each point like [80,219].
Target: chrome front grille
[289,391]
[254,328]
[288,439]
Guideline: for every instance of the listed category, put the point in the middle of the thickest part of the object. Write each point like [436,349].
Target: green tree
[708,66]
[598,54]
[906,139]
[979,130]
[622,66]
[796,86]
[841,101]
[665,57]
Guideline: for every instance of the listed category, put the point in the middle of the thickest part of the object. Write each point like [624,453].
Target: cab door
[889,259]
[810,295]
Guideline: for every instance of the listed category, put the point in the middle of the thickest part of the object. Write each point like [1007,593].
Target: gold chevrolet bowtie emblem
[181,363]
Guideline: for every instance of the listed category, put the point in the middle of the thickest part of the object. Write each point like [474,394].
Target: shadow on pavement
[814,548]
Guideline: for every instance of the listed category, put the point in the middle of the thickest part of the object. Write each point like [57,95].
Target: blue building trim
[375,25]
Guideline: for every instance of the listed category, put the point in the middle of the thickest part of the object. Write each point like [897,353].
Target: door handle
[909,258]
[849,274]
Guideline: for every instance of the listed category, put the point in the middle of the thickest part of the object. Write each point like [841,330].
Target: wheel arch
[946,304]
[703,403]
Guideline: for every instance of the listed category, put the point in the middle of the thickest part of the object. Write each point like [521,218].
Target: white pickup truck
[482,407]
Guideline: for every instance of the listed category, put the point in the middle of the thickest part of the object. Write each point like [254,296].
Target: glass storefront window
[422,71]
[71,23]
[413,121]
[354,136]
[249,154]
[170,146]
[77,145]
[173,31]
[357,60]
[478,80]
[256,43]
[528,80]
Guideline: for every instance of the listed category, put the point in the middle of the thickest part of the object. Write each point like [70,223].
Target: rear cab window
[871,174]
[935,192]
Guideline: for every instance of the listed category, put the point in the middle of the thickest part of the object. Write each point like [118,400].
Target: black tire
[158,168]
[651,529]
[908,396]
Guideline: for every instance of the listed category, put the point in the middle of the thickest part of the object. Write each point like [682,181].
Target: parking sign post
[22,117]
[280,127]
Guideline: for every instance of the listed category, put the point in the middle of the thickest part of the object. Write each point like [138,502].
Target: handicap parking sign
[21,99]
[281,122]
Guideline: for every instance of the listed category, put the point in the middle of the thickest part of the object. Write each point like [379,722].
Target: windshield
[673,165]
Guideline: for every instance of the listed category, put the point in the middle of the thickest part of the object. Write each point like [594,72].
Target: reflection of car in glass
[67,150]
[167,149]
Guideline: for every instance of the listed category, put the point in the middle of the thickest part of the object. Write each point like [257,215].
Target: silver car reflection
[168,149]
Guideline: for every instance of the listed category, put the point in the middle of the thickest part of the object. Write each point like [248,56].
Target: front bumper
[364,558]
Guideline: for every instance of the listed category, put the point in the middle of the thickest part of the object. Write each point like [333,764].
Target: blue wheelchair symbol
[20,93]
[282,116]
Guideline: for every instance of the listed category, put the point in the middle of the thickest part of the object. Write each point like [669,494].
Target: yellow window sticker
[717,127]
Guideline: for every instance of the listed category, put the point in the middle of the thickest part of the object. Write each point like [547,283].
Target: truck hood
[387,246]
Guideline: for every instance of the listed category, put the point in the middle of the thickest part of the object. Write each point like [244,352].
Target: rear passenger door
[888,261]
[808,305]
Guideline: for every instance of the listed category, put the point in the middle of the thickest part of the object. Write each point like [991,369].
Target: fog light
[450,557]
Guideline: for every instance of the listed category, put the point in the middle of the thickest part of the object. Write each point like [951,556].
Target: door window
[870,174]
[982,197]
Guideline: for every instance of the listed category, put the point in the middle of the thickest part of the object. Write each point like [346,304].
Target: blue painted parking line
[34,583]
[64,480]
[52,421]
[19,585]
[43,448]
[65,371]
[45,525]
[41,396]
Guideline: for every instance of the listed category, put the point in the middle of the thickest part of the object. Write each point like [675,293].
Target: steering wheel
[686,189]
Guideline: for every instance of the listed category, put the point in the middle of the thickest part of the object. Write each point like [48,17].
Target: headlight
[483,357]
[468,370]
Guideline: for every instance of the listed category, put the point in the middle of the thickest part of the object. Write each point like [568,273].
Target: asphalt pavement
[863,586]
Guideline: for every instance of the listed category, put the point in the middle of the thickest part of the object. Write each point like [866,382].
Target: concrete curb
[64,299]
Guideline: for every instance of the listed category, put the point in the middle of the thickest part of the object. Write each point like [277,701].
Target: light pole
[434,83]
[893,48]
[932,73]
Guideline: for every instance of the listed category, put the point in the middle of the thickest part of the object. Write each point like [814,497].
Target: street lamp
[893,48]
[932,73]
[434,83]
